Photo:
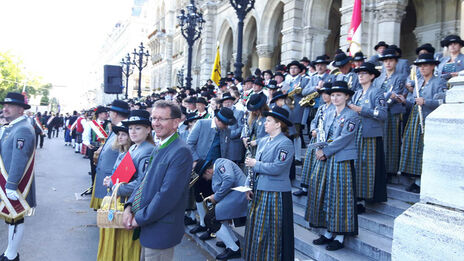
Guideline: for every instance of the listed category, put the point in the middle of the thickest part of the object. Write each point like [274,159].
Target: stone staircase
[374,241]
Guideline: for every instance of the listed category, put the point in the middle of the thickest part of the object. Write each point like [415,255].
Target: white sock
[201,213]
[297,145]
[362,202]
[304,189]
[328,235]
[418,181]
[340,238]
[224,235]
[73,141]
[77,147]
[231,231]
[14,239]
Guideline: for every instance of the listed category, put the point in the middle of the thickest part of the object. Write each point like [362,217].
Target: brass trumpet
[309,100]
[296,90]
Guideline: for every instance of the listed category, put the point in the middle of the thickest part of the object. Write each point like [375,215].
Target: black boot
[189,221]
[221,244]
[197,229]
[334,245]
[322,240]
[413,188]
[300,192]
[229,254]
[205,236]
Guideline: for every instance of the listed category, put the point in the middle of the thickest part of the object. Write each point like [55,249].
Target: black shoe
[413,188]
[189,221]
[334,245]
[360,208]
[77,152]
[300,193]
[206,236]
[229,254]
[298,163]
[197,229]
[322,240]
[221,244]
[4,258]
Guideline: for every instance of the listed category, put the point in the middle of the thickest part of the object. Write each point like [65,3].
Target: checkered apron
[412,148]
[392,142]
[365,165]
[341,203]
[310,158]
[316,208]
[263,231]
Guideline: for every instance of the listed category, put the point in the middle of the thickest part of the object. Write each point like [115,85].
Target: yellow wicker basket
[111,211]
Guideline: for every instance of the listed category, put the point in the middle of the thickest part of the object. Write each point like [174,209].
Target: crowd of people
[224,155]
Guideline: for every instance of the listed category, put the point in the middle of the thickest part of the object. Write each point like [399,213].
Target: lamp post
[180,77]
[190,22]
[140,63]
[242,7]
[127,69]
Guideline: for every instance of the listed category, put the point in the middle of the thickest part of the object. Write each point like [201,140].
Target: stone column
[292,38]
[315,39]
[461,18]
[265,56]
[433,229]
[168,58]
[208,47]
[389,18]
[346,11]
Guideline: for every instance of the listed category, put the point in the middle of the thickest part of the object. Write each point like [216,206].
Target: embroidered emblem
[351,126]
[222,169]
[283,155]
[20,144]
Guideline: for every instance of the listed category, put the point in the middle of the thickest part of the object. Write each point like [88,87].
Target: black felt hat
[226,116]
[341,59]
[268,72]
[226,96]
[16,98]
[191,117]
[340,86]
[279,74]
[141,117]
[451,39]
[100,109]
[272,85]
[250,79]
[388,53]
[396,48]
[278,95]
[279,113]
[305,59]
[428,47]
[256,101]
[323,59]
[201,166]
[259,81]
[379,44]
[359,57]
[295,63]
[426,58]
[191,99]
[280,67]
[325,88]
[120,107]
[117,129]
[202,100]
[368,67]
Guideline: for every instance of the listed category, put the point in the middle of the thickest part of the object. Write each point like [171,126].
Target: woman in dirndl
[452,63]
[118,244]
[310,157]
[340,126]
[269,227]
[431,95]
[392,82]
[369,103]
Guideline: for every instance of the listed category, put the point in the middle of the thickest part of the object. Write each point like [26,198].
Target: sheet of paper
[242,189]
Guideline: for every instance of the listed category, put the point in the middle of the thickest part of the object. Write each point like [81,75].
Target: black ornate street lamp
[242,7]
[127,69]
[191,23]
[140,63]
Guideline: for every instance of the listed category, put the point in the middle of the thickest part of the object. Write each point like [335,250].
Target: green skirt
[117,245]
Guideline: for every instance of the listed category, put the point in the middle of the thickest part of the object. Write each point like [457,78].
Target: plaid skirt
[412,148]
[371,178]
[316,208]
[269,227]
[341,202]
[392,142]
[308,163]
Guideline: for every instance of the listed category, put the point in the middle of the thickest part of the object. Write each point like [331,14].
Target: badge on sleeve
[382,102]
[20,144]
[351,126]
[222,169]
[283,155]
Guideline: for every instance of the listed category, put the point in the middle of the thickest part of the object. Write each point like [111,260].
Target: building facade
[279,31]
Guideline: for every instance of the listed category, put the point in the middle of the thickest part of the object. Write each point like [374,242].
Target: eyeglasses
[160,119]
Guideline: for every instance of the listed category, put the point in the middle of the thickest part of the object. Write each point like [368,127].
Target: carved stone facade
[279,31]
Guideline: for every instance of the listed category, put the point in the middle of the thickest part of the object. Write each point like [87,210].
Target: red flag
[125,170]
[354,34]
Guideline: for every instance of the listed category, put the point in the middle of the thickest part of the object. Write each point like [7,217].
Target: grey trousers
[149,254]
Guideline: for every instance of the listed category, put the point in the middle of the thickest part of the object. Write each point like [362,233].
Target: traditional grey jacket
[202,136]
[105,165]
[433,93]
[374,111]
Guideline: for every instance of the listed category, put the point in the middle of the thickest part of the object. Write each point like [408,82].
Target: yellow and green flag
[216,73]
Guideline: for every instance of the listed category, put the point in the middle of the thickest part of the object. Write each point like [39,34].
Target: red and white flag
[354,34]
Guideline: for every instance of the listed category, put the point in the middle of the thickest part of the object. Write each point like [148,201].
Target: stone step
[299,256]
[392,207]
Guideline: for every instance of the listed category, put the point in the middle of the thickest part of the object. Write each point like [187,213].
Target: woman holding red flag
[117,244]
